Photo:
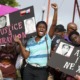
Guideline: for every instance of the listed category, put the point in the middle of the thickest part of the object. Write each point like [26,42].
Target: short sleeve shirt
[38,50]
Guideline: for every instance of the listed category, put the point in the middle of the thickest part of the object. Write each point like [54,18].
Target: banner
[67,58]
[19,23]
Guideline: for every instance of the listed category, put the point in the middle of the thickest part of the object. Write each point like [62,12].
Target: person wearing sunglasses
[70,28]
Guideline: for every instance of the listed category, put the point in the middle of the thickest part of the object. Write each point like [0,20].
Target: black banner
[67,58]
[20,23]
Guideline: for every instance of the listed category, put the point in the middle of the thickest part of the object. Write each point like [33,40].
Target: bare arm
[24,52]
[54,20]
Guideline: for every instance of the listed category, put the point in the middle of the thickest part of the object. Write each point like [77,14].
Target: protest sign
[67,58]
[19,23]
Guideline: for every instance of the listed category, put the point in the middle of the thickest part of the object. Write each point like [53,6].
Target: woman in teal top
[35,52]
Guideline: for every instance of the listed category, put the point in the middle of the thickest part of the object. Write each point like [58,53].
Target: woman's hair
[72,33]
[41,22]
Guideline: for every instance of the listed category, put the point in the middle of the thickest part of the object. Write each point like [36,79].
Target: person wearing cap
[59,29]
[59,34]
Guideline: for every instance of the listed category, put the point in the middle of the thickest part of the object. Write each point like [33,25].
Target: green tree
[12,3]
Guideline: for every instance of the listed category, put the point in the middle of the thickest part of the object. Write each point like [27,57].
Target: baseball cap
[60,28]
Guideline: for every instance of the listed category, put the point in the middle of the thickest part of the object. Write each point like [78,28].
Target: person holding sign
[70,28]
[59,34]
[74,39]
[36,52]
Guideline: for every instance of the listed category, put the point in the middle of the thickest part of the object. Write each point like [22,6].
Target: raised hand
[54,5]
[16,39]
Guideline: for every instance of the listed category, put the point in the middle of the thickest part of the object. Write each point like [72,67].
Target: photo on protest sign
[64,49]
[4,21]
[67,58]
[29,25]
[18,24]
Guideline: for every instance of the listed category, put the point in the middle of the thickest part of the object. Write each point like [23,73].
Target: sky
[65,10]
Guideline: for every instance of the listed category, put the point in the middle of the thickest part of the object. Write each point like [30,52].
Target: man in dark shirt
[59,34]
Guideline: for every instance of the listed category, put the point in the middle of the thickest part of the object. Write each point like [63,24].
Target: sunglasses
[73,29]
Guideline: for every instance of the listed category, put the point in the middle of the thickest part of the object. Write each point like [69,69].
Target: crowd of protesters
[36,52]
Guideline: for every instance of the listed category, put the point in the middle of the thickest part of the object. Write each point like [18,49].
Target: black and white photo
[65,49]
[4,21]
[29,25]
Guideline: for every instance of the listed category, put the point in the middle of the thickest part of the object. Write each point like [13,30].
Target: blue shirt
[38,51]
